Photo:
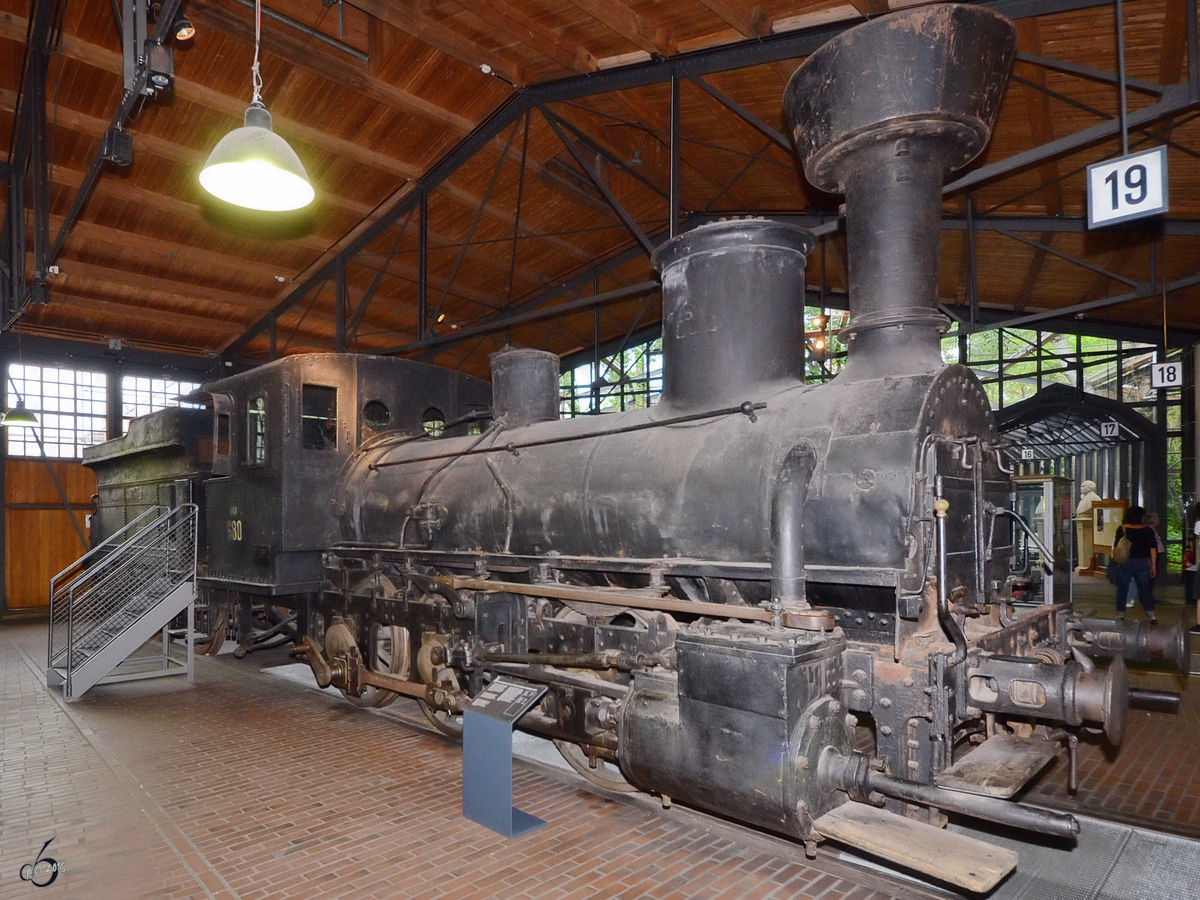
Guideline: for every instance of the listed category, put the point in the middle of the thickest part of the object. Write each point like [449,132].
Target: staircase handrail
[117,537]
[125,566]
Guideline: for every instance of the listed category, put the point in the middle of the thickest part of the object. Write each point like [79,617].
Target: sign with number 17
[1127,188]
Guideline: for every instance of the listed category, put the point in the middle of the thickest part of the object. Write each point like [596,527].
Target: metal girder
[28,160]
[1046,248]
[483,202]
[1142,292]
[29,152]
[694,65]
[740,110]
[1176,98]
[1045,62]
[502,322]
[1057,224]
[621,212]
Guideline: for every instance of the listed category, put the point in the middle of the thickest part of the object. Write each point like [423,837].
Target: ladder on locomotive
[110,602]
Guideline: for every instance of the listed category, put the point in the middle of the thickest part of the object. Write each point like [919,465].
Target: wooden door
[39,540]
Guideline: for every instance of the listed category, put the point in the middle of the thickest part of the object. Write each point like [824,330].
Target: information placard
[1111,430]
[1127,188]
[507,700]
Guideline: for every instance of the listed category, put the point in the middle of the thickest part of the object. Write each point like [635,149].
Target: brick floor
[246,787]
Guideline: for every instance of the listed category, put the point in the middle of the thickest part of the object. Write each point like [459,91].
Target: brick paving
[246,787]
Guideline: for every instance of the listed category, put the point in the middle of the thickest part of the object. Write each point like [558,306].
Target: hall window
[142,396]
[71,408]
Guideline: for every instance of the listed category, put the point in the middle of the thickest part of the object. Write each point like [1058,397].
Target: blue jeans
[1135,571]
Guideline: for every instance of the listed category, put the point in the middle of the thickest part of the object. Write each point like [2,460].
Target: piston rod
[854,775]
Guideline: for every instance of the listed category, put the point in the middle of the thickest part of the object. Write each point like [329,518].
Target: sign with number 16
[1127,188]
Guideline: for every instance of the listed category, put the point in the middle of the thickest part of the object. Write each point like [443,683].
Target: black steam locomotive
[722,592]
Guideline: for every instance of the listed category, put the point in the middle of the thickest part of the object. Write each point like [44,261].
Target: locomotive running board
[999,767]
[945,855]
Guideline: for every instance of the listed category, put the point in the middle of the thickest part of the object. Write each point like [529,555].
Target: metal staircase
[113,599]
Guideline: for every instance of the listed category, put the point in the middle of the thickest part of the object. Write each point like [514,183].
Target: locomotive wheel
[390,658]
[448,723]
[605,775]
[216,636]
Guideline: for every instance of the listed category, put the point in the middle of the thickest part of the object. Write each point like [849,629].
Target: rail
[91,605]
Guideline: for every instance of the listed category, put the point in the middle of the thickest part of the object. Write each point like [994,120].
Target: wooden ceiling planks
[366,129]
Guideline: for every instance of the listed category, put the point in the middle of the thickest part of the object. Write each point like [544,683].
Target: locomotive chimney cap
[935,73]
[734,234]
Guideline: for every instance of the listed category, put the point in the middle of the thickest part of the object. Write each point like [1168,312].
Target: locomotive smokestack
[524,386]
[733,317]
[883,113]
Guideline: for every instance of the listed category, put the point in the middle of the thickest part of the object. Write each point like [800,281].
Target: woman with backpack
[1136,555]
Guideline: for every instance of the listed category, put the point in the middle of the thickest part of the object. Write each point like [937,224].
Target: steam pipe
[787,526]
[951,627]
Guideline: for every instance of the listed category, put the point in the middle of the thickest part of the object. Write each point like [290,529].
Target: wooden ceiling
[382,99]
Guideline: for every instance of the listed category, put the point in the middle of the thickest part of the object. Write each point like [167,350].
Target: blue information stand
[487,756]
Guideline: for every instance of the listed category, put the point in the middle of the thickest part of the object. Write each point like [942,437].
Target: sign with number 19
[1127,188]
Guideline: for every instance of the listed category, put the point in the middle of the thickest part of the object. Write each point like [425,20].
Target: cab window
[256,431]
[318,417]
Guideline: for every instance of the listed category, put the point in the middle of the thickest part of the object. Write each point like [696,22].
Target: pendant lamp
[252,166]
[19,417]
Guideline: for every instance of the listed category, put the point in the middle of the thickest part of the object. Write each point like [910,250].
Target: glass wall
[141,396]
[71,408]
[631,379]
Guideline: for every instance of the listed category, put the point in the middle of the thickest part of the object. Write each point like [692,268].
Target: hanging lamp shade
[19,417]
[254,167]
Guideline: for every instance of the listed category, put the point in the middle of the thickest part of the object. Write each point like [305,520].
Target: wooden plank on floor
[947,856]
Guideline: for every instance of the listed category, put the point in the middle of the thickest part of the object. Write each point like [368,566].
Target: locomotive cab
[282,432]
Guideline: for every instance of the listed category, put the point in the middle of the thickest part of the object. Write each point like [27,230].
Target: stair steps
[111,601]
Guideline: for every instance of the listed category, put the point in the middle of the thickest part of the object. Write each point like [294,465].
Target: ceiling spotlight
[252,166]
[19,417]
[819,344]
[183,29]
[442,317]
[817,322]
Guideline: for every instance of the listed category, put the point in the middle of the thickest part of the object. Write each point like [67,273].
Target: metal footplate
[999,767]
[945,855]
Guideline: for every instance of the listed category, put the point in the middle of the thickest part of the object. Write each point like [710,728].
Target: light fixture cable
[256,76]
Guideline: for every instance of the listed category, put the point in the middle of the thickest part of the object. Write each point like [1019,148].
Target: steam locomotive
[723,593]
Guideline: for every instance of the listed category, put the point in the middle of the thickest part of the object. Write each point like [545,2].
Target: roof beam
[630,25]
[410,20]
[747,23]
[520,26]
[327,63]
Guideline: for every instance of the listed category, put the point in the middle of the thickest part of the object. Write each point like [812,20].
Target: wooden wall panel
[28,481]
[41,543]
[39,538]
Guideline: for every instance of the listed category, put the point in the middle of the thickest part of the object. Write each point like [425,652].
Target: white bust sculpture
[1083,525]
[1088,496]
